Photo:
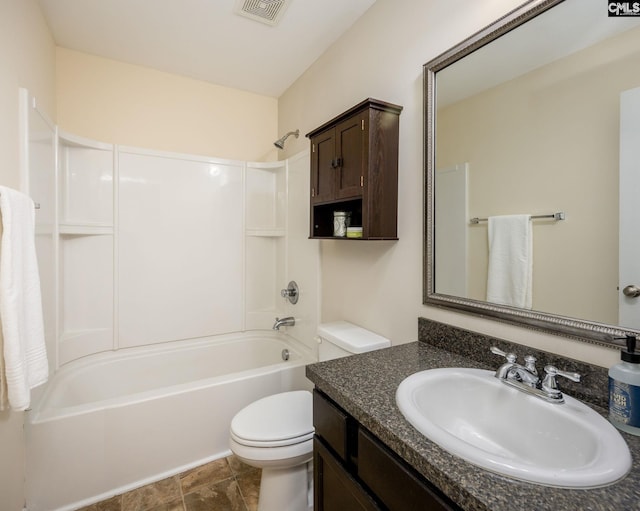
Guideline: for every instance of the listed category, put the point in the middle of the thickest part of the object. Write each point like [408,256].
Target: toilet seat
[275,421]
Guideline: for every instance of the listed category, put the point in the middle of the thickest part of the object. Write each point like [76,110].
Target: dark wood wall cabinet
[355,471]
[354,168]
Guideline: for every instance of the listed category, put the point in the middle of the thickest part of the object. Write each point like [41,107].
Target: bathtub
[116,421]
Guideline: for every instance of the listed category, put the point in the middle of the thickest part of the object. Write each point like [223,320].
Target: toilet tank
[341,338]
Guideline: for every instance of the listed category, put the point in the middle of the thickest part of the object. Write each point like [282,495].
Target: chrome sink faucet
[526,379]
[288,321]
[511,370]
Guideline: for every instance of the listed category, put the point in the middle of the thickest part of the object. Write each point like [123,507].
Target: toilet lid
[275,419]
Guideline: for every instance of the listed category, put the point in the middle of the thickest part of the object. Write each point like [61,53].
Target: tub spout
[290,321]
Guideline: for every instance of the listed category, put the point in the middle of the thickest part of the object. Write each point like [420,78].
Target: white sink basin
[472,414]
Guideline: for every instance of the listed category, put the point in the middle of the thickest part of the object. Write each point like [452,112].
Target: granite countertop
[365,385]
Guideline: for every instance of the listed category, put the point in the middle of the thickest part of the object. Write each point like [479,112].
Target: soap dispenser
[624,389]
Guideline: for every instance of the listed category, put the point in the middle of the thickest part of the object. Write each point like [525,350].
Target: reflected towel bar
[556,216]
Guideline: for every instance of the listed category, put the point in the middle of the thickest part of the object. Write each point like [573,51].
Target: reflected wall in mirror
[538,114]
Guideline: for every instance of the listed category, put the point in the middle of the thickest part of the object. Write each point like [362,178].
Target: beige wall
[27,59]
[379,284]
[121,103]
[506,136]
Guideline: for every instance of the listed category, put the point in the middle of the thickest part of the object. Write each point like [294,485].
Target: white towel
[25,356]
[509,280]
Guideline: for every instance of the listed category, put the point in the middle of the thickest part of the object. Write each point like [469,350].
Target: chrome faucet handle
[511,357]
[530,364]
[550,385]
[291,293]
[554,371]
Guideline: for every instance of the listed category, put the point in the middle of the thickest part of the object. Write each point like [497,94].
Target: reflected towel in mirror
[509,280]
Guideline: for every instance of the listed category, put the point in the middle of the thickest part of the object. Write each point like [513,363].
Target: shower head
[280,142]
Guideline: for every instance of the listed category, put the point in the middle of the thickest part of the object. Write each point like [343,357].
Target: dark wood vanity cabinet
[354,470]
[335,489]
[354,168]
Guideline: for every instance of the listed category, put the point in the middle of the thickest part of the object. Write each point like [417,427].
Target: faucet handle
[554,371]
[511,357]
[550,385]
[291,293]
[530,364]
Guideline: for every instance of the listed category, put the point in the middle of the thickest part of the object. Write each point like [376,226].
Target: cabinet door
[351,149]
[323,172]
[334,488]
[332,425]
[393,482]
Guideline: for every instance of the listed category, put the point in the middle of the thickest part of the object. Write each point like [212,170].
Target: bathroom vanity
[354,470]
[367,456]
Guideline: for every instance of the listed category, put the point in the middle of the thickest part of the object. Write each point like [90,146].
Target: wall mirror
[539,114]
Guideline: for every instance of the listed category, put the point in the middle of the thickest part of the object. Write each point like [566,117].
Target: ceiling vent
[268,12]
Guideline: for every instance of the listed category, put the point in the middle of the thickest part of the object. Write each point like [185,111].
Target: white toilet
[275,433]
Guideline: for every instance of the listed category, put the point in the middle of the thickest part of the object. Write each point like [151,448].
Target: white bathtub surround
[85,241]
[23,360]
[150,247]
[185,279]
[112,422]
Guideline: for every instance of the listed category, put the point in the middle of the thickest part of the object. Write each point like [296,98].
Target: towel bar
[556,216]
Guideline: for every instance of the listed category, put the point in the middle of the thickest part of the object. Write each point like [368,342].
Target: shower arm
[280,142]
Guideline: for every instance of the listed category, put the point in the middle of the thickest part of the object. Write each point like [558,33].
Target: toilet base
[287,489]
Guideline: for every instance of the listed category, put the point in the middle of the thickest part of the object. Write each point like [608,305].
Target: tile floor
[226,484]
